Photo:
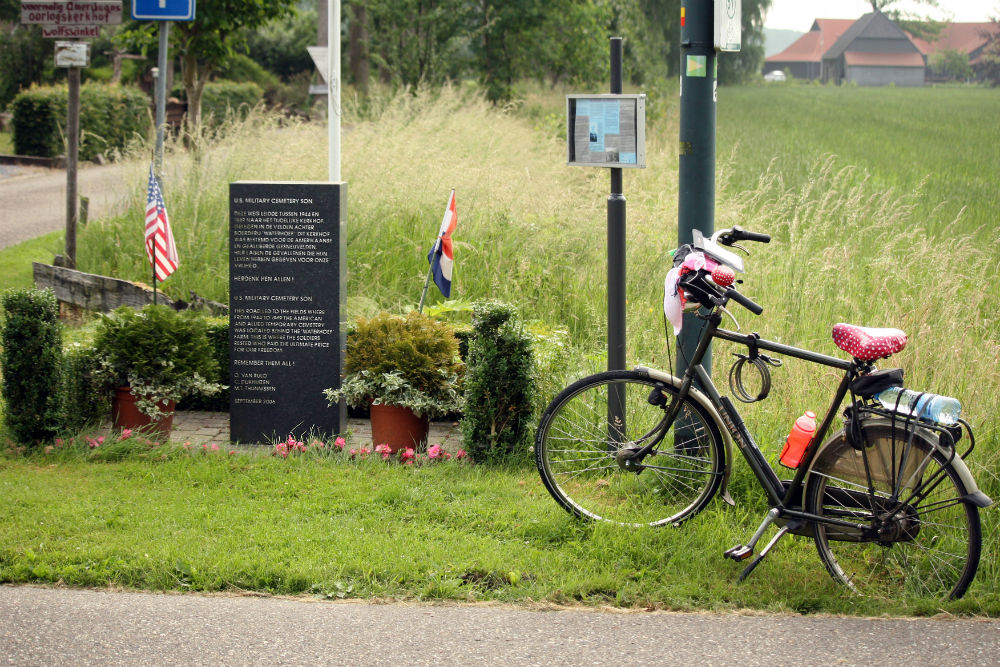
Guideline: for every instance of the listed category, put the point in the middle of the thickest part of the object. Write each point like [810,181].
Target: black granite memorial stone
[286,296]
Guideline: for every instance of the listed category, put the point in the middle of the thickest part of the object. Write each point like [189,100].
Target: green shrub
[161,354]
[111,116]
[217,332]
[82,400]
[31,360]
[407,361]
[499,386]
[220,98]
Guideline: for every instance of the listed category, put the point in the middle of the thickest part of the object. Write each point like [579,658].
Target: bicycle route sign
[71,20]
[163,10]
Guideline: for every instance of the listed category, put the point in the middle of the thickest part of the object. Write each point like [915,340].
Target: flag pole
[430,271]
[154,251]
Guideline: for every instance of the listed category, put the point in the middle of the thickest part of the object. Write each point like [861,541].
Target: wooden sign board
[95,13]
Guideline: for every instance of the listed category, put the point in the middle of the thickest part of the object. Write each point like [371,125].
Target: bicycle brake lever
[737,245]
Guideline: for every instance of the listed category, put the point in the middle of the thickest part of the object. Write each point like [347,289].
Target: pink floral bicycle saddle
[868,344]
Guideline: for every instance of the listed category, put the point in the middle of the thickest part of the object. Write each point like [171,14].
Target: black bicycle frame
[779,495]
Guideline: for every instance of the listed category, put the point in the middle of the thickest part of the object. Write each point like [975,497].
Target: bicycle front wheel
[589,431]
[914,536]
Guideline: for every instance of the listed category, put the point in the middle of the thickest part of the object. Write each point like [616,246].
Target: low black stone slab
[286,296]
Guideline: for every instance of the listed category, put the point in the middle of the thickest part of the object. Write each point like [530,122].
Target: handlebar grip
[744,301]
[755,236]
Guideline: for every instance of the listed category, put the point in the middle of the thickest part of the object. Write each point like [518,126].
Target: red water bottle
[802,432]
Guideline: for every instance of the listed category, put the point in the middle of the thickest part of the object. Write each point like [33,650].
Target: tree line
[406,43]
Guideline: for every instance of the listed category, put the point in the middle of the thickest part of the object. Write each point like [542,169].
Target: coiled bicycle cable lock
[760,362]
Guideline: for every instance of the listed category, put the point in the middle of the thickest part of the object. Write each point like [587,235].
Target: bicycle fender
[702,400]
[973,495]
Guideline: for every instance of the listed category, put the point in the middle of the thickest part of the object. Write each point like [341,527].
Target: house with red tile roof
[803,58]
[970,38]
[873,51]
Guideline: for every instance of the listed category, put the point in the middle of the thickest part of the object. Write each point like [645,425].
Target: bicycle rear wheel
[919,538]
[590,428]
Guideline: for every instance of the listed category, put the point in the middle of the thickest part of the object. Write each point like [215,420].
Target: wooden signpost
[70,21]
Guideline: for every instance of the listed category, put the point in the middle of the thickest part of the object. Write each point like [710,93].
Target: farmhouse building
[873,51]
[803,59]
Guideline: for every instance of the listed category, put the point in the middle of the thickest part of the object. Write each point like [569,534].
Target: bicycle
[887,498]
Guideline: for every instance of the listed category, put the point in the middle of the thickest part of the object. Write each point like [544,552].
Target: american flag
[160,247]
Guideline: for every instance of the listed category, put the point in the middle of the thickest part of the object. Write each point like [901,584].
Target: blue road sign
[163,10]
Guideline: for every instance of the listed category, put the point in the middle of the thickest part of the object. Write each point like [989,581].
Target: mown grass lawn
[332,527]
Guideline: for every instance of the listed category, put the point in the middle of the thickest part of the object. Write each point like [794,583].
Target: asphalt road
[33,199]
[45,626]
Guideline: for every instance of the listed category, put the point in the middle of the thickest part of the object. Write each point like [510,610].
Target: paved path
[33,199]
[44,626]
[207,427]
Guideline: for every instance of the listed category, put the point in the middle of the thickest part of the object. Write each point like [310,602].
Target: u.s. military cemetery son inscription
[286,287]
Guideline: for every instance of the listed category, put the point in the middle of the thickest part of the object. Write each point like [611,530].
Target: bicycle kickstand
[742,552]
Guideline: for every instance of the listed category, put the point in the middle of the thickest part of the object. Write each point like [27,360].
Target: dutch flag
[441,256]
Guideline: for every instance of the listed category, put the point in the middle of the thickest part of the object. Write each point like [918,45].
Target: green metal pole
[696,199]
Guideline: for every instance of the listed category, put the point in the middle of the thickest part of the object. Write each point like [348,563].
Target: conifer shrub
[82,399]
[499,386]
[31,363]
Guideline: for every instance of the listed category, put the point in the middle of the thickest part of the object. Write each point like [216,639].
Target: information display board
[606,130]
[286,298]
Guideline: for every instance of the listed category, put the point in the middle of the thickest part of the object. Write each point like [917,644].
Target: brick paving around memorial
[199,428]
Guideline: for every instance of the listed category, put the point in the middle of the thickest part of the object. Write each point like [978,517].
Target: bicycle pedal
[739,552]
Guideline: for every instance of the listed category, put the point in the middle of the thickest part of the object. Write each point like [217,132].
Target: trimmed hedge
[110,117]
[499,386]
[32,362]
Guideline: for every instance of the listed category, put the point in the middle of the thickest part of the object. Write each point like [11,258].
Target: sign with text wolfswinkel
[286,308]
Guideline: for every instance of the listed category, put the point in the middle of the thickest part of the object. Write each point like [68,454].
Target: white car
[775,75]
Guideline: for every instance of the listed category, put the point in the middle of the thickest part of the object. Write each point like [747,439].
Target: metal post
[616,274]
[333,87]
[161,98]
[616,239]
[72,156]
[696,198]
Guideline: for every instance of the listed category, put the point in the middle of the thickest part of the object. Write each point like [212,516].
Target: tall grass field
[881,204]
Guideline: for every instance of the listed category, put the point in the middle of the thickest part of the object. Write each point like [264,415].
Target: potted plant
[151,359]
[407,370]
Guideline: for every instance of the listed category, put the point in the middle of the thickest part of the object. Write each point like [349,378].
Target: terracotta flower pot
[126,414]
[398,427]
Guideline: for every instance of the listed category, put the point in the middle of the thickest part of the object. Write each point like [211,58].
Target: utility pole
[696,185]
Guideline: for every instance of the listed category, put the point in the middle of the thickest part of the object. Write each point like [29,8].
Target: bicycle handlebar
[740,234]
[744,301]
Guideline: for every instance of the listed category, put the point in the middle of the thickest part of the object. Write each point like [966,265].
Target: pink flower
[126,434]
[59,442]
[353,453]
[434,451]
[187,445]
[214,447]
[365,451]
[407,455]
[319,444]
[339,443]
[281,449]
[384,450]
[100,439]
[460,454]
[92,443]
[232,452]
